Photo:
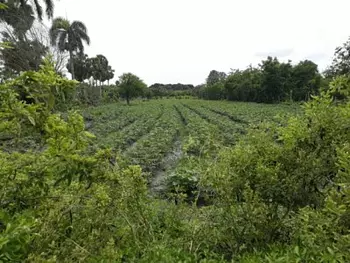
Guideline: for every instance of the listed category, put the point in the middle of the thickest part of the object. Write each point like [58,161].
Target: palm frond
[83,35]
[59,26]
[50,6]
[79,25]
[68,36]
[39,9]
[79,45]
[80,30]
[60,23]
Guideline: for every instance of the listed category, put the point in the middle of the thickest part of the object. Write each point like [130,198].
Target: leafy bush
[290,183]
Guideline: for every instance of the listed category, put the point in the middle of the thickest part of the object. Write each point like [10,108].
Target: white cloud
[172,41]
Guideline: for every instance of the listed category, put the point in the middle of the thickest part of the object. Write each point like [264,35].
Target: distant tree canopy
[272,81]
[131,86]
[97,67]
[166,90]
[82,66]
[216,77]
[100,69]
[306,80]
[214,87]
[243,85]
[177,86]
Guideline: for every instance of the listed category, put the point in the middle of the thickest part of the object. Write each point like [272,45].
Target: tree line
[170,90]
[272,81]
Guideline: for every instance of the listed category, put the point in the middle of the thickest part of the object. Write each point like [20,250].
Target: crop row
[199,132]
[149,151]
[126,137]
[247,112]
[226,114]
[227,129]
[201,141]
[119,127]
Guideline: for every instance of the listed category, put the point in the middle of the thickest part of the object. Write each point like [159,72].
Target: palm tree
[39,10]
[69,37]
[20,17]
[36,3]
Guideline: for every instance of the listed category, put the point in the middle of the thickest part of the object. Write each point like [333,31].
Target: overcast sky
[180,41]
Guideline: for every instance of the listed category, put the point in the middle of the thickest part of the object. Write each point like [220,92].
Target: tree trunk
[100,94]
[73,74]
[128,100]
[71,63]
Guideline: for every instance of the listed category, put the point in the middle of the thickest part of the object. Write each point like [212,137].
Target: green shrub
[291,183]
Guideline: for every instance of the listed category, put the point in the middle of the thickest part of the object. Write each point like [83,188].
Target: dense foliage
[341,61]
[26,8]
[23,56]
[272,81]
[131,86]
[170,90]
[85,68]
[25,50]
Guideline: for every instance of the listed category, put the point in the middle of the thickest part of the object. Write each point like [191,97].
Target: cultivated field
[168,137]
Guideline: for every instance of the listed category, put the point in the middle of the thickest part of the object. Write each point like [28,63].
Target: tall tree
[20,18]
[341,61]
[306,80]
[20,32]
[24,4]
[215,77]
[82,67]
[276,80]
[243,85]
[69,37]
[99,67]
[214,89]
[131,86]
[109,74]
